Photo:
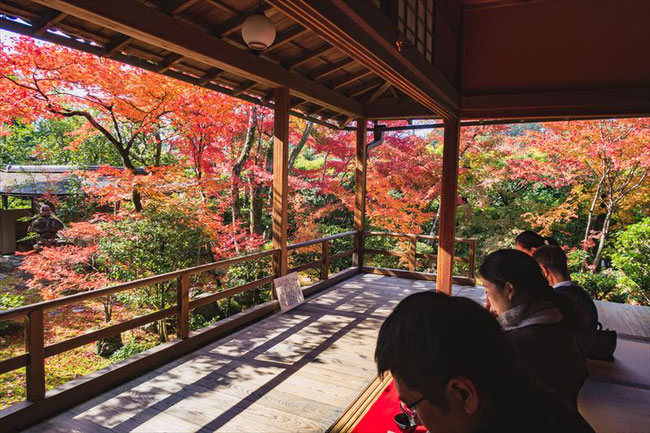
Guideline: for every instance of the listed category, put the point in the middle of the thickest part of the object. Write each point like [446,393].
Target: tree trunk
[603,237]
[136,198]
[239,164]
[158,153]
[301,143]
[592,208]
[257,205]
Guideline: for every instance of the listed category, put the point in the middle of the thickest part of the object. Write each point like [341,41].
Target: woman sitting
[528,241]
[542,326]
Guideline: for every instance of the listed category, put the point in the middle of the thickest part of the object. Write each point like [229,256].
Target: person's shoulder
[544,411]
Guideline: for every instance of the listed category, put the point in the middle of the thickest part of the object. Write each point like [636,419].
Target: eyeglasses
[409,409]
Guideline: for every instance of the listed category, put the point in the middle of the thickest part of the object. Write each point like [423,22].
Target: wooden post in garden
[280,179]
[447,211]
[412,253]
[35,348]
[325,260]
[183,305]
[360,193]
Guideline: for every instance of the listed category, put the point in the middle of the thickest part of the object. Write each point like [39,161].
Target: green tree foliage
[630,254]
[50,140]
[156,242]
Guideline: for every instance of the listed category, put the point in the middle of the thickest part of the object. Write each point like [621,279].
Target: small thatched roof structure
[32,181]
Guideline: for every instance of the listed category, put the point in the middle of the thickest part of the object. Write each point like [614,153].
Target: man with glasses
[455,371]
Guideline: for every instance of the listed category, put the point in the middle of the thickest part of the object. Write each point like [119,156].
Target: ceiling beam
[224,7]
[155,27]
[211,75]
[329,69]
[377,93]
[367,35]
[342,82]
[243,87]
[306,57]
[285,37]
[174,7]
[169,62]
[405,110]
[366,87]
[235,23]
[116,45]
[47,21]
[570,104]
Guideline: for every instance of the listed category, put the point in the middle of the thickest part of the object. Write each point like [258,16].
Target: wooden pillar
[447,211]
[280,178]
[360,193]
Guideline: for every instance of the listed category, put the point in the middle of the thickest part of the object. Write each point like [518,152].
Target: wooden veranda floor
[299,371]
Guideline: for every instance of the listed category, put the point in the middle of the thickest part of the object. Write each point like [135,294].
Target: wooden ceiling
[378,59]
[199,41]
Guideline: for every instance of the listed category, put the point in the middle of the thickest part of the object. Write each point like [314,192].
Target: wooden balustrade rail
[326,258]
[411,256]
[37,351]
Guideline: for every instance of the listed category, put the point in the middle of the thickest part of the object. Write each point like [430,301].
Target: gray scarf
[537,313]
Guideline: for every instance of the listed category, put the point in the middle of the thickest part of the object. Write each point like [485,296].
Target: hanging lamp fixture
[258,30]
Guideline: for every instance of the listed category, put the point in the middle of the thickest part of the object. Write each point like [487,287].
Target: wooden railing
[36,351]
[326,258]
[39,406]
[411,257]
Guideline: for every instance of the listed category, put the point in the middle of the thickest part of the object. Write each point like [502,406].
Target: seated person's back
[455,370]
[538,322]
[554,265]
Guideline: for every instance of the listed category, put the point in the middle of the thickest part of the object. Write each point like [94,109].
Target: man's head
[449,358]
[528,241]
[46,211]
[553,261]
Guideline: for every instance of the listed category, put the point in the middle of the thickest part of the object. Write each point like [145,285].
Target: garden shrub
[631,256]
[7,302]
[602,286]
[129,350]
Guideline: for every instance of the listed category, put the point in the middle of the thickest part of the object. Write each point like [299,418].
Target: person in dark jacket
[553,261]
[455,371]
[542,326]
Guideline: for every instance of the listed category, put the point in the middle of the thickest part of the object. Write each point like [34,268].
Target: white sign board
[289,292]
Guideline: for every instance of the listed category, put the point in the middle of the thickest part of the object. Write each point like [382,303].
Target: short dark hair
[518,269]
[529,239]
[553,258]
[431,337]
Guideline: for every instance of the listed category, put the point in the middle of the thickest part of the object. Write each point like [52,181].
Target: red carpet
[379,418]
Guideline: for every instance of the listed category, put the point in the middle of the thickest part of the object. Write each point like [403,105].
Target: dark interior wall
[555,45]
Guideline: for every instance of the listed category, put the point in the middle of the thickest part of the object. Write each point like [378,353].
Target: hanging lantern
[258,32]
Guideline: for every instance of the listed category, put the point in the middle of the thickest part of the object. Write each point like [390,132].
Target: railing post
[325,260]
[275,260]
[183,305]
[472,258]
[35,348]
[412,258]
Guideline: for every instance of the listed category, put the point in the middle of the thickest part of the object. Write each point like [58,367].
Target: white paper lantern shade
[258,32]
